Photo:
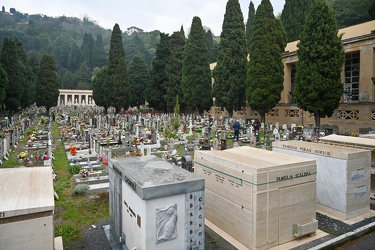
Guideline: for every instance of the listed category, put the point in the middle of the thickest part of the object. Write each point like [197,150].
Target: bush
[74,169]
[80,189]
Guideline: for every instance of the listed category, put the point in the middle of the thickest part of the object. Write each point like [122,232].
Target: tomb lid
[252,160]
[151,177]
[366,142]
[26,191]
[334,151]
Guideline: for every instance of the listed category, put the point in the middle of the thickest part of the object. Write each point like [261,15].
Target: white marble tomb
[155,205]
[261,198]
[343,176]
[26,208]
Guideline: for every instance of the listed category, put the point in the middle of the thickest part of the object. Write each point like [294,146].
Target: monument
[155,205]
[27,208]
[261,198]
[343,176]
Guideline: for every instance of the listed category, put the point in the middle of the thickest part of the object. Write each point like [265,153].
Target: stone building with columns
[71,97]
[356,112]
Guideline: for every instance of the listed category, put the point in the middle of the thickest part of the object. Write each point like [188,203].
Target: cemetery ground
[79,218]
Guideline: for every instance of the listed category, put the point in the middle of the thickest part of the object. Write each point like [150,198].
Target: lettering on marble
[129,182]
[195,220]
[166,221]
[2,214]
[360,192]
[290,176]
[358,175]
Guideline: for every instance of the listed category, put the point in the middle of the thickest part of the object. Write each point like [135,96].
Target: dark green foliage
[212,47]
[173,69]
[293,17]
[121,87]
[84,75]
[3,84]
[134,47]
[320,59]
[155,91]
[230,72]
[87,48]
[250,25]
[116,50]
[265,72]
[371,11]
[13,65]
[80,189]
[98,85]
[139,78]
[351,12]
[74,169]
[47,85]
[196,75]
[99,56]
[182,31]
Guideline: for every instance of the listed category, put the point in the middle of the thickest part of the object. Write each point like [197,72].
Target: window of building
[351,86]
[293,70]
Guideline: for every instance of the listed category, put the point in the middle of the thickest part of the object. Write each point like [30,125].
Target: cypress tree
[156,91]
[182,31]
[320,60]
[174,70]
[250,25]
[265,72]
[121,86]
[293,17]
[139,78]
[212,47]
[12,64]
[116,50]
[3,84]
[47,85]
[230,72]
[196,74]
[98,85]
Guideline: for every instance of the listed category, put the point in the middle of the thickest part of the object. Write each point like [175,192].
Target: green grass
[73,213]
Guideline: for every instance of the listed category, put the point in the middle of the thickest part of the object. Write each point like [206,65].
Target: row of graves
[254,198]
[27,197]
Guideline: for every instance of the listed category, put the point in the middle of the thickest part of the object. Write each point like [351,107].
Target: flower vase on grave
[20,161]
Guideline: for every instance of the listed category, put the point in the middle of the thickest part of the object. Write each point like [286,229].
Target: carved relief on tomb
[166,223]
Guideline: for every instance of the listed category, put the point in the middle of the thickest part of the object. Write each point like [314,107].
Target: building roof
[348,33]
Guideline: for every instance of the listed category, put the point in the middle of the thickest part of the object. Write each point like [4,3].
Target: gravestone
[253,141]
[149,193]
[215,144]
[343,176]
[258,196]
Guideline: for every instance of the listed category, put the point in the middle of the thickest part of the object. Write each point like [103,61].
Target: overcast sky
[164,15]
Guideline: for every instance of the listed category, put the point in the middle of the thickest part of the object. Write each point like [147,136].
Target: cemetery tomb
[261,198]
[355,142]
[26,208]
[343,176]
[155,205]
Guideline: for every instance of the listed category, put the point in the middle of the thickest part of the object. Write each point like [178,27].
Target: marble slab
[256,196]
[343,175]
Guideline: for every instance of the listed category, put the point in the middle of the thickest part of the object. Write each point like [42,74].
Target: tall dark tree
[47,85]
[250,25]
[155,91]
[265,73]
[196,74]
[212,47]
[121,86]
[371,10]
[98,85]
[12,64]
[230,72]
[139,78]
[87,48]
[84,75]
[320,60]
[99,55]
[293,17]
[116,52]
[174,70]
[182,31]
[3,84]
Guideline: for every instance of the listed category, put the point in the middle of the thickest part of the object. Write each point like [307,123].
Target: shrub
[74,169]
[80,189]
